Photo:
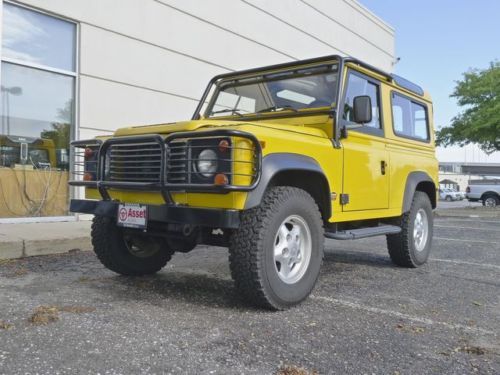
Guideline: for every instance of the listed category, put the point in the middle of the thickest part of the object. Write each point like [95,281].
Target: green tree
[478,93]
[60,132]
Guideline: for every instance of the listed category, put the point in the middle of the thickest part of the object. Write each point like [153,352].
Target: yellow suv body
[273,160]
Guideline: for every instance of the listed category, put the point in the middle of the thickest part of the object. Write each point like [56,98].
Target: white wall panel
[357,19]
[297,13]
[118,58]
[108,105]
[252,23]
[156,47]
[152,21]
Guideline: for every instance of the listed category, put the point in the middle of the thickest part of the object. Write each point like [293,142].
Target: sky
[438,40]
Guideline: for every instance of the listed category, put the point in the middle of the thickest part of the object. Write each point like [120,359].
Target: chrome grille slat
[135,162]
[142,156]
[176,165]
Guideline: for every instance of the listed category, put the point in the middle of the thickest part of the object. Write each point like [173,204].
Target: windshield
[290,90]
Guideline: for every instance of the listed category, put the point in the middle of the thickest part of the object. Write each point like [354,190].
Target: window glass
[231,99]
[295,97]
[409,118]
[36,119]
[38,38]
[298,89]
[36,103]
[358,86]
[420,120]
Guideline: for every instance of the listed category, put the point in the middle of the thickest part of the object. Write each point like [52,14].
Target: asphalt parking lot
[365,315]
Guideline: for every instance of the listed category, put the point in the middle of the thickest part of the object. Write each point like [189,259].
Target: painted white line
[468,228]
[470,221]
[494,266]
[462,240]
[397,314]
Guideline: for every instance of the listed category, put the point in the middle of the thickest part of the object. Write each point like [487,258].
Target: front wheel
[126,254]
[276,254]
[491,200]
[411,247]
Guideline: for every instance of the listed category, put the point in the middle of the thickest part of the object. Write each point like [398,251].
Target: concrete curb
[32,239]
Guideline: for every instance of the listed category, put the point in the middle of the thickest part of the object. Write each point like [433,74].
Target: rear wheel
[127,254]
[411,247]
[276,254]
[491,200]
[448,198]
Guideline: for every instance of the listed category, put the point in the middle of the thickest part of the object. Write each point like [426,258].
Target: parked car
[487,192]
[273,160]
[449,195]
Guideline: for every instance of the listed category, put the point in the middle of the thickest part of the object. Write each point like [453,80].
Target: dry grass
[471,350]
[44,315]
[410,329]
[5,325]
[294,370]
[48,314]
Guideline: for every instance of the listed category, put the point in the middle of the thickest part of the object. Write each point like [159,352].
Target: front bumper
[207,217]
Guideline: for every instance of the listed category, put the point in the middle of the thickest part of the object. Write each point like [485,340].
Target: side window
[357,86]
[409,118]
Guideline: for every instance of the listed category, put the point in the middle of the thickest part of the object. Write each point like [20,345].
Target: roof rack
[408,85]
[398,80]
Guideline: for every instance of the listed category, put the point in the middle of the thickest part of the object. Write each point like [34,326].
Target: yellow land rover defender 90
[273,160]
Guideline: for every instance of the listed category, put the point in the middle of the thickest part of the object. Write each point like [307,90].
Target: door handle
[383,165]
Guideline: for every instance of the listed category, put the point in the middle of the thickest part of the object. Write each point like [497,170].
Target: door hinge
[344,198]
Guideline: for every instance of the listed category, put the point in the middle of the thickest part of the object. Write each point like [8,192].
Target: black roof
[400,81]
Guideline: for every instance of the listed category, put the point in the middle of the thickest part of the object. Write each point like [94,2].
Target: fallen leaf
[44,315]
[5,325]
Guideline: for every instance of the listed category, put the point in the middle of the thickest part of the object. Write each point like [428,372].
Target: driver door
[366,159]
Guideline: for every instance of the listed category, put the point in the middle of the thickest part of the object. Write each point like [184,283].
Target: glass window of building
[37,113]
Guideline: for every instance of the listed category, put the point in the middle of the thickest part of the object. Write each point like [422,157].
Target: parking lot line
[471,220]
[400,315]
[494,266]
[463,240]
[452,227]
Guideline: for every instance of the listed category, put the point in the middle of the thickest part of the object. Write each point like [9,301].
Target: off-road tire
[401,246]
[492,196]
[251,246]
[110,247]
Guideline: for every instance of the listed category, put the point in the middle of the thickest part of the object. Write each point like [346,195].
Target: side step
[354,234]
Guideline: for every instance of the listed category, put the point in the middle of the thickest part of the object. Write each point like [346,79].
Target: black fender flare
[275,163]
[413,179]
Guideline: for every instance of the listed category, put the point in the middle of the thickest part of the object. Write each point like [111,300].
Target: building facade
[77,69]
[456,175]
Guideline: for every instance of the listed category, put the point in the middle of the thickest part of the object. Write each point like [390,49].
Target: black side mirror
[362,109]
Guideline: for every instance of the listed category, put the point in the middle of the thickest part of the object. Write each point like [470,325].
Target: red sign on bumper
[132,216]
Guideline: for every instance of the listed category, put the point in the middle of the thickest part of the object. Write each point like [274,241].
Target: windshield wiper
[276,108]
[233,111]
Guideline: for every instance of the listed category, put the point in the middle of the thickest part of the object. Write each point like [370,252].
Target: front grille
[177,164]
[135,162]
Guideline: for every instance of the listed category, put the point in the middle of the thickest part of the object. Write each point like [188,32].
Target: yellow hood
[193,125]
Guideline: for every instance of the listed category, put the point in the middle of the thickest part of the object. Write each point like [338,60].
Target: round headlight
[206,164]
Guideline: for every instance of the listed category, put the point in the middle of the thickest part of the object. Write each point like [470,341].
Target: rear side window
[409,118]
